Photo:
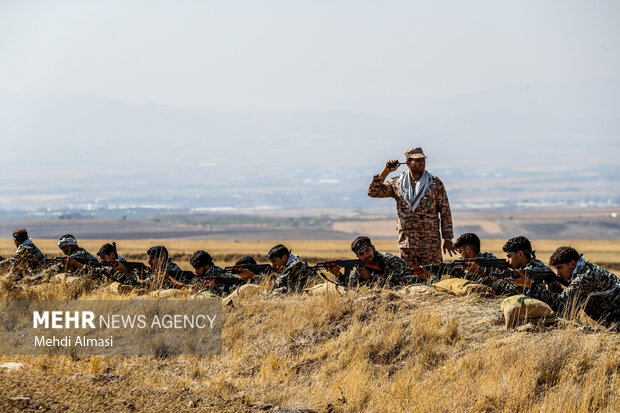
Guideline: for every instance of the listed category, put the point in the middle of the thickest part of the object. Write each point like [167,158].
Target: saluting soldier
[422,207]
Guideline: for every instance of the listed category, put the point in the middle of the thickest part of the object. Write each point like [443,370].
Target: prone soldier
[378,267]
[292,274]
[468,246]
[590,287]
[209,278]
[27,259]
[162,270]
[75,256]
[520,256]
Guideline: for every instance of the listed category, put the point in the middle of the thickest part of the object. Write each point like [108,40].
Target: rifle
[255,268]
[496,263]
[62,259]
[132,267]
[348,265]
[536,275]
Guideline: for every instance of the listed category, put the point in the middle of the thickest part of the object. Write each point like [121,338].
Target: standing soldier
[422,206]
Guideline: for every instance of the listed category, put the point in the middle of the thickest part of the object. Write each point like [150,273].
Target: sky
[287,92]
[301,55]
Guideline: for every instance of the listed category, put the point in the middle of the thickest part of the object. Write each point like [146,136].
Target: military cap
[415,153]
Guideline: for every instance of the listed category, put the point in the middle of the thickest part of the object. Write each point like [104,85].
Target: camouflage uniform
[506,287]
[109,273]
[214,271]
[475,277]
[27,259]
[296,276]
[419,239]
[79,254]
[593,287]
[172,269]
[391,265]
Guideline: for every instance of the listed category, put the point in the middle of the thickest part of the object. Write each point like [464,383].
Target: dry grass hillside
[376,351]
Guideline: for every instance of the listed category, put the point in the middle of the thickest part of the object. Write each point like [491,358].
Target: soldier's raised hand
[391,166]
[448,247]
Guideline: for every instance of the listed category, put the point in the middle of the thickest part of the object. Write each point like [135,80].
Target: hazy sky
[294,55]
[310,91]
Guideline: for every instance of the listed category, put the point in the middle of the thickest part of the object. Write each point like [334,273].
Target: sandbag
[243,292]
[325,288]
[169,293]
[118,288]
[461,286]
[519,308]
[418,289]
[61,277]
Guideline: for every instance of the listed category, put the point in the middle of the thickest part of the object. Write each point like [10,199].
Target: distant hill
[80,149]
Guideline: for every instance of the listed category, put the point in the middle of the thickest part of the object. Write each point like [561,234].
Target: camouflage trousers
[415,257]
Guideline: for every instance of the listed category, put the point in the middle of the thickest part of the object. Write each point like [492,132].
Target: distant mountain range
[554,142]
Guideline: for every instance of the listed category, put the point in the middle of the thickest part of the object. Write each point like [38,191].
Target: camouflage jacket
[594,289]
[481,256]
[296,276]
[80,254]
[215,288]
[419,228]
[109,273]
[505,287]
[391,265]
[27,257]
[154,279]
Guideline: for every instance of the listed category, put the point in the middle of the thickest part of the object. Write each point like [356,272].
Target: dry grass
[365,351]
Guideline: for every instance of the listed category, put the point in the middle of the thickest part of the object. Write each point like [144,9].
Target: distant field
[603,252]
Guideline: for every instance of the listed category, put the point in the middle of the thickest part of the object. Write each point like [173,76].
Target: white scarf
[581,262]
[411,195]
[291,258]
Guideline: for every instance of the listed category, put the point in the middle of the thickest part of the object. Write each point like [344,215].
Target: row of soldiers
[576,282]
